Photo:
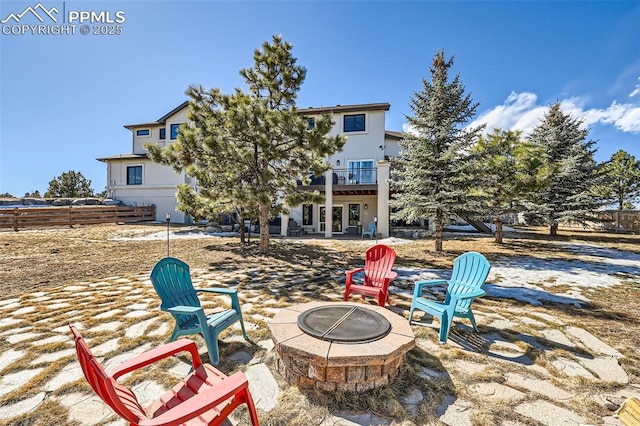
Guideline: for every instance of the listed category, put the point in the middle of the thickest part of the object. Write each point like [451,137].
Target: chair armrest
[472,295]
[417,289]
[391,275]
[220,290]
[354,271]
[201,403]
[157,354]
[185,310]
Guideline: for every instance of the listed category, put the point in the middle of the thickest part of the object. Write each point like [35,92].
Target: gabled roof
[346,108]
[160,121]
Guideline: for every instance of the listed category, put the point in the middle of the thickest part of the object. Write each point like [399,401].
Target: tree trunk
[242,231]
[553,229]
[264,228]
[498,230]
[439,231]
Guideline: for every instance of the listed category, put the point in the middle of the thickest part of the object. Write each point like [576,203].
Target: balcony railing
[361,176]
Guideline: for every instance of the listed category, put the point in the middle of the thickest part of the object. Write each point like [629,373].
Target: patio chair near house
[293,228]
[205,396]
[370,231]
[172,281]
[470,270]
[379,260]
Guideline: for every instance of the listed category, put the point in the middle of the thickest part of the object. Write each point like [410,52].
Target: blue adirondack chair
[371,231]
[470,270]
[172,281]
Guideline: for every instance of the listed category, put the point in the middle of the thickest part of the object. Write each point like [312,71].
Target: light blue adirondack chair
[470,270]
[371,231]
[172,281]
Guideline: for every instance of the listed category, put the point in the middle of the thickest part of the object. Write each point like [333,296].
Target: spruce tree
[566,174]
[433,173]
[248,151]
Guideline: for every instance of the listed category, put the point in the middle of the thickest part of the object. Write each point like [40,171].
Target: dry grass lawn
[43,259]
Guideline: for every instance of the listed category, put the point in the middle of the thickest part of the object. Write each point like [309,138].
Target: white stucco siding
[367,145]
[158,187]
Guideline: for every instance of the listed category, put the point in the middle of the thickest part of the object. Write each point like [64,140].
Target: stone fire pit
[318,362]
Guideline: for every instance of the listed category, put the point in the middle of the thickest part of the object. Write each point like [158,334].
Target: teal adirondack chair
[172,281]
[371,231]
[470,270]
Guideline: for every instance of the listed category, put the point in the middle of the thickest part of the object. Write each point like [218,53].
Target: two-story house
[356,190]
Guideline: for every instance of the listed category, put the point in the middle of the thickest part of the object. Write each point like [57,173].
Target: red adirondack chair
[377,274]
[204,397]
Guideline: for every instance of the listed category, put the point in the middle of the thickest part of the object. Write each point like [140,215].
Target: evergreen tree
[565,175]
[247,151]
[619,180]
[433,173]
[69,184]
[497,175]
[6,195]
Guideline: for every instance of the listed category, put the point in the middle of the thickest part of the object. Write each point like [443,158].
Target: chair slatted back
[172,280]
[121,399]
[470,270]
[379,260]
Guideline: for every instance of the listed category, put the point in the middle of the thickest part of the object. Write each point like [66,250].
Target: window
[361,171]
[134,175]
[354,214]
[143,132]
[174,130]
[307,214]
[163,133]
[311,123]
[354,123]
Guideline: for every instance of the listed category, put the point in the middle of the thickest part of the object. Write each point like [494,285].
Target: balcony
[348,182]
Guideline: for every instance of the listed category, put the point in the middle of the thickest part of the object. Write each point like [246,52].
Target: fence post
[15,219]
[69,218]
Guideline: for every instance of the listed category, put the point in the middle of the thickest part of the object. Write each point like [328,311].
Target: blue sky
[64,99]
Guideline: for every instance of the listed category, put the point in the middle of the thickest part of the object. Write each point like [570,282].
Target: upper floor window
[134,175]
[174,130]
[311,123]
[143,132]
[163,133]
[354,123]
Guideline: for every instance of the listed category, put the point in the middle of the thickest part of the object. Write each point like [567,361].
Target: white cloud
[520,111]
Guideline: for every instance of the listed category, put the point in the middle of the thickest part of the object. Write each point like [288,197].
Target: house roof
[393,134]
[381,106]
[346,108]
[124,157]
[160,121]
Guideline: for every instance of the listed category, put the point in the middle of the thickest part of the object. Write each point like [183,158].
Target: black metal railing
[361,176]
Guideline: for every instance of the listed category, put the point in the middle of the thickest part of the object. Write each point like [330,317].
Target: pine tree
[619,179]
[433,173]
[248,151]
[497,175]
[564,178]
[69,184]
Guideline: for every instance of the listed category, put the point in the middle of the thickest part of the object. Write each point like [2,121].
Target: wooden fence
[26,217]
[622,220]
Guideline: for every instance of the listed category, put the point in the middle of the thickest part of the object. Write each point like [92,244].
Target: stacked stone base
[348,378]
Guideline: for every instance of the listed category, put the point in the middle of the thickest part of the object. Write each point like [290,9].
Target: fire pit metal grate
[344,324]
